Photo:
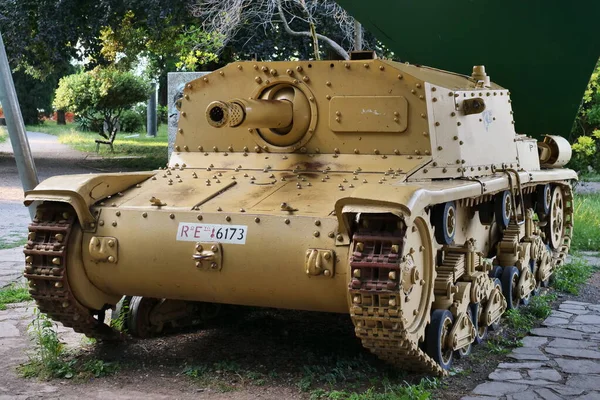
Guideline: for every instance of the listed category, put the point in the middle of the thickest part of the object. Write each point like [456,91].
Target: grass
[220,375]
[3,134]
[51,360]
[11,242]
[13,294]
[570,276]
[587,222]
[135,152]
[404,391]
[519,322]
[589,176]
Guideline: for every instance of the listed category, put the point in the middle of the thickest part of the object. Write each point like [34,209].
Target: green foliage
[569,277]
[390,392]
[163,114]
[334,372]
[3,134]
[131,121]
[13,294]
[12,241]
[586,129]
[50,359]
[587,222]
[100,95]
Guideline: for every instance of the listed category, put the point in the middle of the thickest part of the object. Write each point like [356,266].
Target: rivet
[305,78]
[318,223]
[199,217]
[437,124]
[228,218]
[219,209]
[101,223]
[339,238]
[316,234]
[257,220]
[440,148]
[328,83]
[328,97]
[205,79]
[458,124]
[299,68]
[366,65]
[180,131]
[118,213]
[114,223]
[172,216]
[287,221]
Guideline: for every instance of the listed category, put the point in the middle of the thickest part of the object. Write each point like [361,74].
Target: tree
[101,95]
[298,18]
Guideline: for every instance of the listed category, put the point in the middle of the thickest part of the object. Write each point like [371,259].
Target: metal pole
[358,36]
[16,127]
[152,121]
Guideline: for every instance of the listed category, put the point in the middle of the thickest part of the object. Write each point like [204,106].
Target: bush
[100,94]
[131,121]
[586,129]
[89,124]
[163,115]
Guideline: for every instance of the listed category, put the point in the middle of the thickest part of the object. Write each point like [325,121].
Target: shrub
[131,121]
[101,94]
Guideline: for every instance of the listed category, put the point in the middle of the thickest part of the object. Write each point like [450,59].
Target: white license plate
[193,232]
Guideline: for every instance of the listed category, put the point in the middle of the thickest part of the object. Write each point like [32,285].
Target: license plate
[193,232]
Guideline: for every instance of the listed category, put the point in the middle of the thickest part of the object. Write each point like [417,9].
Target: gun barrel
[272,114]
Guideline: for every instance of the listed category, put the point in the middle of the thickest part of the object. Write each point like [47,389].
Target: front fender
[81,191]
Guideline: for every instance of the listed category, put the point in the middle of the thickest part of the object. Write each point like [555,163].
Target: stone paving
[559,360]
[12,262]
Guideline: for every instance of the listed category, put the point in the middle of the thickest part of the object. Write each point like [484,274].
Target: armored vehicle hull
[396,193]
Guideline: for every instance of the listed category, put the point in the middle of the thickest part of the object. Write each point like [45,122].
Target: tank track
[46,271]
[379,325]
[386,338]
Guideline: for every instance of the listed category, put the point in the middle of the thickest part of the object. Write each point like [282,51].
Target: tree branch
[336,47]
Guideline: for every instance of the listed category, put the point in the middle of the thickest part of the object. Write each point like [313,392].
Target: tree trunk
[60,117]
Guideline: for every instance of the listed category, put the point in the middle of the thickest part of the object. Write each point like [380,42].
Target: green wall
[542,51]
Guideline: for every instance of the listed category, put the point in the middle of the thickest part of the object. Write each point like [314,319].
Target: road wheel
[436,338]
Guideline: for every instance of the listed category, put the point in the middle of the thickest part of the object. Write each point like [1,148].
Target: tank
[398,194]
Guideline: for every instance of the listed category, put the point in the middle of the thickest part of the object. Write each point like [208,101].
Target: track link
[46,271]
[379,322]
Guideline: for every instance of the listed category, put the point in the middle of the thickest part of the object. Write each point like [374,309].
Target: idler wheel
[481,331]
[444,220]
[510,280]
[436,338]
[139,322]
[504,208]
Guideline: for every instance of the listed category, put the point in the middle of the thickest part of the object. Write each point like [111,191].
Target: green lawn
[135,152]
[3,134]
[586,234]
